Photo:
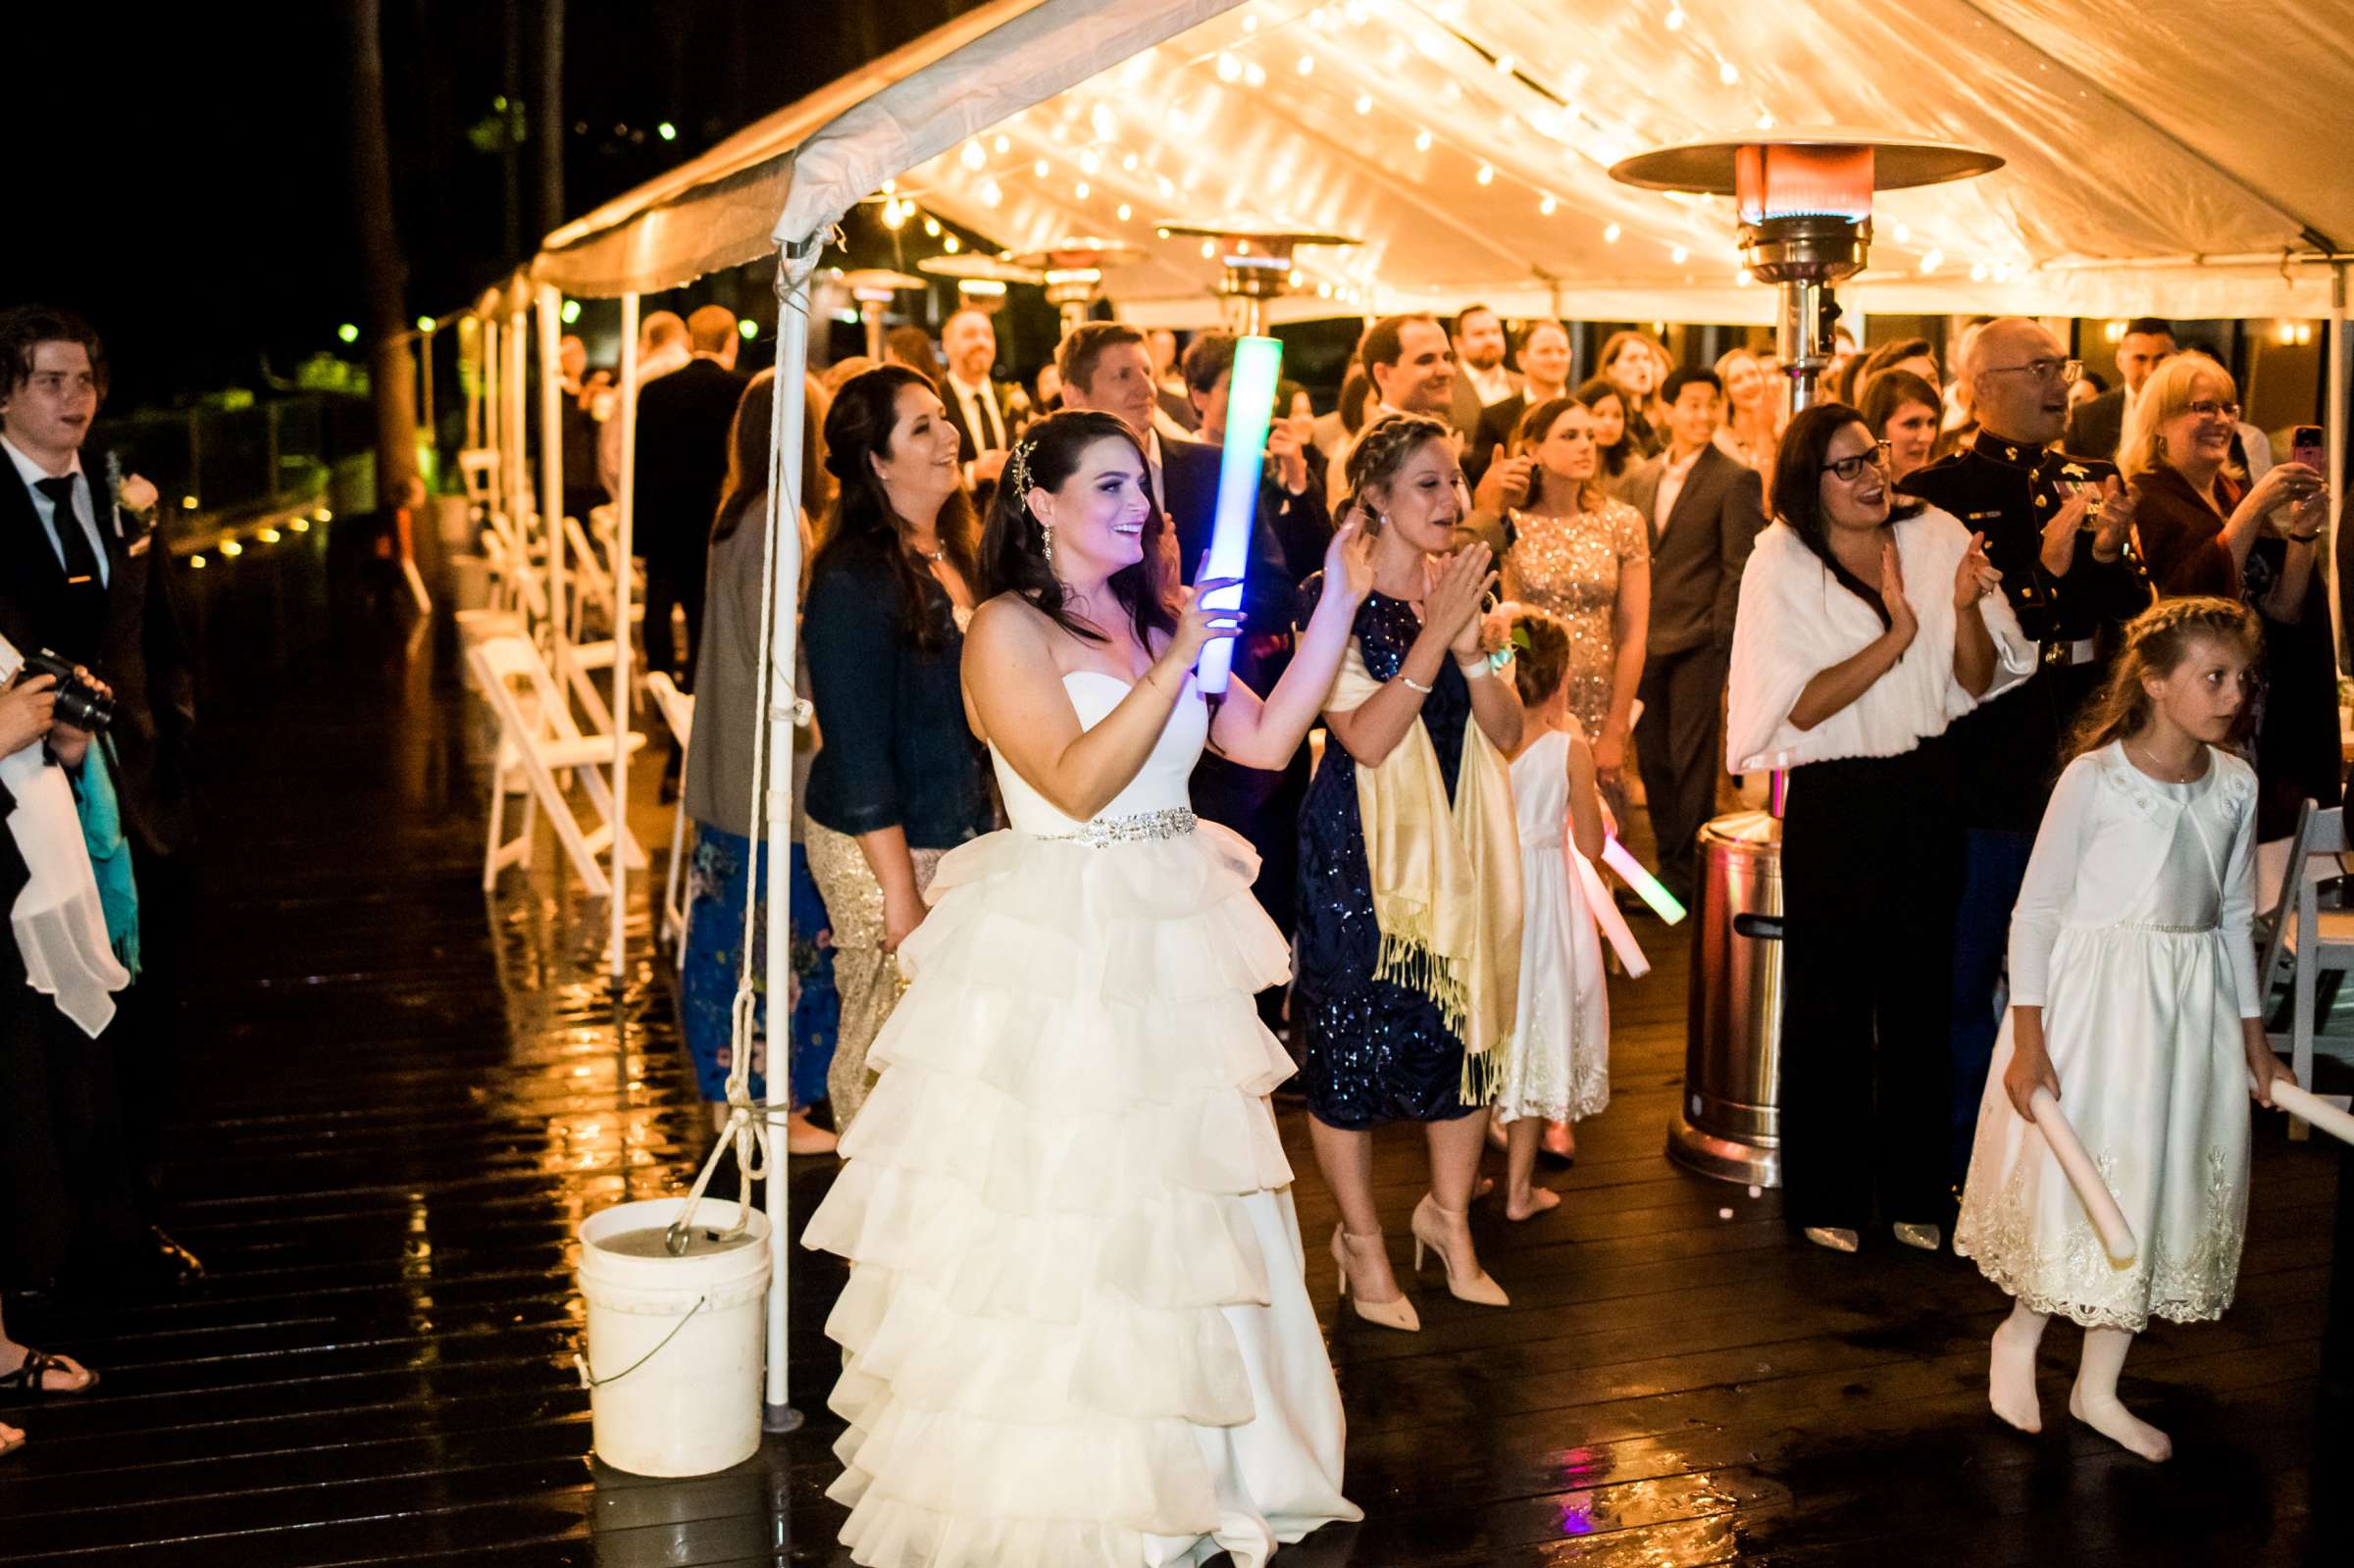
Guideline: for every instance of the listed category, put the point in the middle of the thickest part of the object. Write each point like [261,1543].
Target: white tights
[2011,1383]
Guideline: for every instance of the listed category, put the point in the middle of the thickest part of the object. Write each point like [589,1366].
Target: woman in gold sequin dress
[1583,558]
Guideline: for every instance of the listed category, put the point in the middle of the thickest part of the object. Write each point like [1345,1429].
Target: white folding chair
[677,712]
[478,466]
[2308,936]
[549,745]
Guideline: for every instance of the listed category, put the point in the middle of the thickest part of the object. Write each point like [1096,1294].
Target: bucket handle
[593,1383]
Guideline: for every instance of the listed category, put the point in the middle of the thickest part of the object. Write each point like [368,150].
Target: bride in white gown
[1076,1331]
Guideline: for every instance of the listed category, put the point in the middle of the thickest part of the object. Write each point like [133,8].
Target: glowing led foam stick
[2313,1108]
[1249,406]
[2100,1204]
[1607,919]
[1648,887]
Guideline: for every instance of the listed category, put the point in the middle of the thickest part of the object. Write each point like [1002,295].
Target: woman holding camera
[65,874]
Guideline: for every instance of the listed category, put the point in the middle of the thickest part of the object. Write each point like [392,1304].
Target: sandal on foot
[30,1379]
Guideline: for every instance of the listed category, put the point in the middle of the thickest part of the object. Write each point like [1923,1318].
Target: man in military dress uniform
[2059,528]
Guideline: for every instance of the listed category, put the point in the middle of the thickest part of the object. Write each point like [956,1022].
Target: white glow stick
[1249,406]
[1613,924]
[2312,1107]
[2100,1204]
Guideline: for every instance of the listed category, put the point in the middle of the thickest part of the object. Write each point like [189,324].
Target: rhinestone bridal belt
[1173,822]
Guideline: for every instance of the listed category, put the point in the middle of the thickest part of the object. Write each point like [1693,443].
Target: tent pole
[784,588]
[2337,360]
[551,478]
[624,535]
[516,469]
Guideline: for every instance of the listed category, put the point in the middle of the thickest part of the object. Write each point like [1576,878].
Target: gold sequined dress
[1570,567]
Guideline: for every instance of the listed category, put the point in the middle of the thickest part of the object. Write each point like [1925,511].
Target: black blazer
[1189,470]
[2095,428]
[1696,561]
[682,423]
[140,650]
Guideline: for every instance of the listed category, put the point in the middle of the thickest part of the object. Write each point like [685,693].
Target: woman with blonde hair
[2203,529]
[2197,516]
[1753,422]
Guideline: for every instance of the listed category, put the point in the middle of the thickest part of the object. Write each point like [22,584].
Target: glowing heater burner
[1074,272]
[980,279]
[1804,205]
[873,287]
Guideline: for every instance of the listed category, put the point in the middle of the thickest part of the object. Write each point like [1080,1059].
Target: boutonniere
[128,492]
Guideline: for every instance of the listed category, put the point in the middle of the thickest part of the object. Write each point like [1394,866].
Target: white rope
[750,1125]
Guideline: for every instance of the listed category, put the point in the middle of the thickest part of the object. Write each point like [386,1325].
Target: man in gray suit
[1482,378]
[1704,509]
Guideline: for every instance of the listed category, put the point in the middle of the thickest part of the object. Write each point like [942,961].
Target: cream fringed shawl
[1446,880]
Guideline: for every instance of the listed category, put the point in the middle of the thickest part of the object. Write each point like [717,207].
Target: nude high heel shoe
[1430,1226]
[1398,1314]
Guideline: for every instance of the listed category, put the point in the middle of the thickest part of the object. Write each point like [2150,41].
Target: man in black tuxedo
[2095,428]
[1703,510]
[1105,367]
[83,575]
[988,413]
[682,423]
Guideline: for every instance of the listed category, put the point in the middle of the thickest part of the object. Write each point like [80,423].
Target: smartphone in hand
[2305,445]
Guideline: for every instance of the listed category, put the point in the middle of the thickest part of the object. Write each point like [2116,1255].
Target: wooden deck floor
[398,1100]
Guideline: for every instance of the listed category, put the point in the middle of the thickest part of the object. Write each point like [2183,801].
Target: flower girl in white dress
[1076,1333]
[2134,1001]
[1559,1066]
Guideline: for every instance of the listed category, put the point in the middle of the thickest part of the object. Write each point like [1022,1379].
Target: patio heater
[1805,204]
[1804,207]
[873,287]
[981,280]
[1073,270]
[1255,262]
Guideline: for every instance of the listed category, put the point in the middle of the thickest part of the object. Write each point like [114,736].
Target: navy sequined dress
[1375,1051]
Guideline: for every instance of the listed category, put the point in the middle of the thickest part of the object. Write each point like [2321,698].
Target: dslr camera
[79,703]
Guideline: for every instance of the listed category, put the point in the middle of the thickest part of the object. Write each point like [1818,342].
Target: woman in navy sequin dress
[1377,1050]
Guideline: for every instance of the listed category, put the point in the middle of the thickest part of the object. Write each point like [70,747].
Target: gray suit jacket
[2095,428]
[1696,560]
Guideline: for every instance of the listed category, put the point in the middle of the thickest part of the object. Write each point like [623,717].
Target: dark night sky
[183,183]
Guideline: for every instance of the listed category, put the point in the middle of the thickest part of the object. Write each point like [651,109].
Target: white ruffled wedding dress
[1076,1331]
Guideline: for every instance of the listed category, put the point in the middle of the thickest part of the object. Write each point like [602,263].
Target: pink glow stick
[2100,1204]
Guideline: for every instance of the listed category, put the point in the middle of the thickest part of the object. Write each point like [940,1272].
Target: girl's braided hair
[1380,452]
[2157,641]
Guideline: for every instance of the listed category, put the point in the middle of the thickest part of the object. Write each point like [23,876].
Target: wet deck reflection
[398,1100]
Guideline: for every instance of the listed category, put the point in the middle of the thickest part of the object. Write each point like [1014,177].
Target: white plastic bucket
[673,1343]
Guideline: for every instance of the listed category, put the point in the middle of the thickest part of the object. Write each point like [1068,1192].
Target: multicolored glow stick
[1648,887]
[2100,1204]
[1249,407]
[2313,1108]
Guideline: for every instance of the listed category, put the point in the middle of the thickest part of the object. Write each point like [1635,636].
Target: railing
[214,463]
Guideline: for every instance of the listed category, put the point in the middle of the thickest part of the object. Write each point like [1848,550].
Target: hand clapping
[1976,577]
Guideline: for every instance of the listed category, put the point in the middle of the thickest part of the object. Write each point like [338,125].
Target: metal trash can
[1728,1122]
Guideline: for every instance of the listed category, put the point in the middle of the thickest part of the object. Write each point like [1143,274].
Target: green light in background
[349,333]
[748,327]
[425,324]
[667,131]
[571,312]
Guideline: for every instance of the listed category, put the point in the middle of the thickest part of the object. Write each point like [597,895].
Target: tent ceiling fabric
[1469,143]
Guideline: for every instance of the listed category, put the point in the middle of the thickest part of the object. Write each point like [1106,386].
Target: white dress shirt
[85,506]
[982,416]
[1492,385]
[1672,474]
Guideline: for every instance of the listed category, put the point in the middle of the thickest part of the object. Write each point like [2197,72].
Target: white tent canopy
[1467,144]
